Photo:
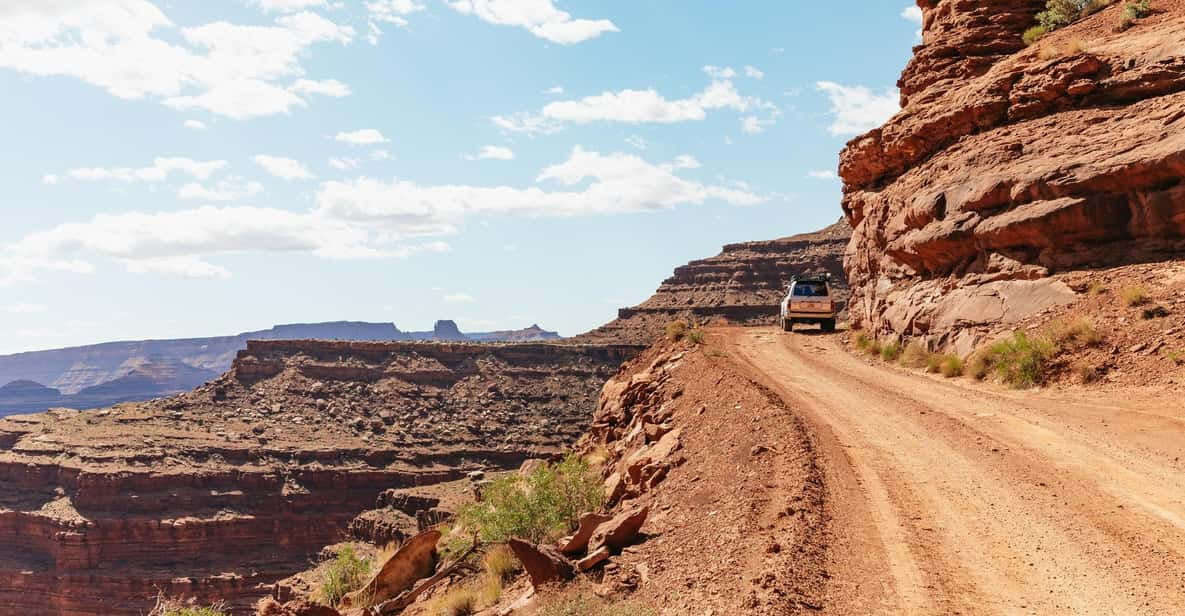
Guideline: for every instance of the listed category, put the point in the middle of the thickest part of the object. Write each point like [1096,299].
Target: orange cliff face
[218,493]
[1010,167]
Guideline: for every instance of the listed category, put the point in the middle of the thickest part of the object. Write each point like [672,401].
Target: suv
[808,300]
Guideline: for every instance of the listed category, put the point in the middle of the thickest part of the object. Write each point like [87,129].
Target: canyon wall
[218,493]
[743,284]
[1011,166]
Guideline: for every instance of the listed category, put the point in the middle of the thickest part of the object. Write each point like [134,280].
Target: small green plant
[1078,333]
[175,607]
[1134,296]
[1034,34]
[890,351]
[934,363]
[676,330]
[539,507]
[1060,13]
[695,336]
[1133,11]
[863,341]
[1021,360]
[343,575]
[1097,287]
[1177,357]
[951,366]
[500,563]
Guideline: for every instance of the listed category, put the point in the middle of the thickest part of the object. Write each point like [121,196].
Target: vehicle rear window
[806,289]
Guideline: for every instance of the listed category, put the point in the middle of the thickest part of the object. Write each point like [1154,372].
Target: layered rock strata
[218,493]
[1010,166]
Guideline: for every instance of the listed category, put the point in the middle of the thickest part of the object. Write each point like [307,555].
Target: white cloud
[381,154]
[753,125]
[492,152]
[357,218]
[288,6]
[719,72]
[160,170]
[857,109]
[540,17]
[459,298]
[636,142]
[328,87]
[25,308]
[178,267]
[341,164]
[225,190]
[634,107]
[133,51]
[913,14]
[821,175]
[557,90]
[754,72]
[195,125]
[365,136]
[391,12]
[283,168]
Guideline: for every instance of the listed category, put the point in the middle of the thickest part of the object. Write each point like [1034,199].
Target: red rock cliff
[1009,166]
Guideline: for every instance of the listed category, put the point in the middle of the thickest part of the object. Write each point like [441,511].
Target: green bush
[934,363]
[175,607]
[676,330]
[1060,13]
[695,336]
[343,575]
[950,366]
[1034,34]
[540,507]
[863,341]
[890,351]
[1021,360]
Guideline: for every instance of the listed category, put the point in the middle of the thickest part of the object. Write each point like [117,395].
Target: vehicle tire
[828,325]
[787,326]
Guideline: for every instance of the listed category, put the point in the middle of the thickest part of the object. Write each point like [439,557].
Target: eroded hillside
[1011,166]
[217,493]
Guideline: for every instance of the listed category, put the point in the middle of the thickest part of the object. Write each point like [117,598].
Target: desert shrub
[863,341]
[175,607]
[1075,46]
[874,348]
[934,363]
[1086,372]
[581,601]
[1074,334]
[343,575]
[1020,361]
[951,366]
[676,330]
[461,601]
[539,507]
[1133,11]
[1034,34]
[1094,6]
[890,351]
[1060,13]
[500,563]
[695,336]
[1177,357]
[1097,287]
[1134,296]
[915,355]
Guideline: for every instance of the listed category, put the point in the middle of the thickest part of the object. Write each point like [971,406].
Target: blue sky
[186,169]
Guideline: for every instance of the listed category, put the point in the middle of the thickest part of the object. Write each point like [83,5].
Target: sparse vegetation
[1133,11]
[1034,34]
[343,575]
[915,355]
[1087,373]
[176,607]
[1021,360]
[695,336]
[676,330]
[1097,287]
[1061,13]
[461,601]
[539,507]
[1134,296]
[579,600]
[950,366]
[1177,357]
[863,341]
[1074,334]
[890,351]
[933,363]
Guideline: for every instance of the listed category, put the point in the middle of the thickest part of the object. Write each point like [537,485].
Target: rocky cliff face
[218,493]
[742,284]
[1011,166]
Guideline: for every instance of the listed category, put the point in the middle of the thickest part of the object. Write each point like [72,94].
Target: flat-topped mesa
[743,284]
[219,492]
[1010,166]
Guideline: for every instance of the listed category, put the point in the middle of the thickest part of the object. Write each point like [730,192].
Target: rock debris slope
[1009,166]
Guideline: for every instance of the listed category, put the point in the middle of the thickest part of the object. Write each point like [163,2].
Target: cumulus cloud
[365,136]
[283,168]
[328,87]
[288,6]
[134,51]
[357,218]
[634,107]
[492,152]
[913,14]
[389,12]
[341,164]
[223,191]
[821,175]
[159,171]
[539,17]
[857,109]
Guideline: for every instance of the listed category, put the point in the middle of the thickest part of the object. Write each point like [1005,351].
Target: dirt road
[955,497]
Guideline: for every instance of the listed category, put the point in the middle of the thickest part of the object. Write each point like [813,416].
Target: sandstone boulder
[414,560]
[619,532]
[544,564]
[578,542]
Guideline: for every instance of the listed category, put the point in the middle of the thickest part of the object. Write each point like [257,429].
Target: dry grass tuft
[1134,296]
